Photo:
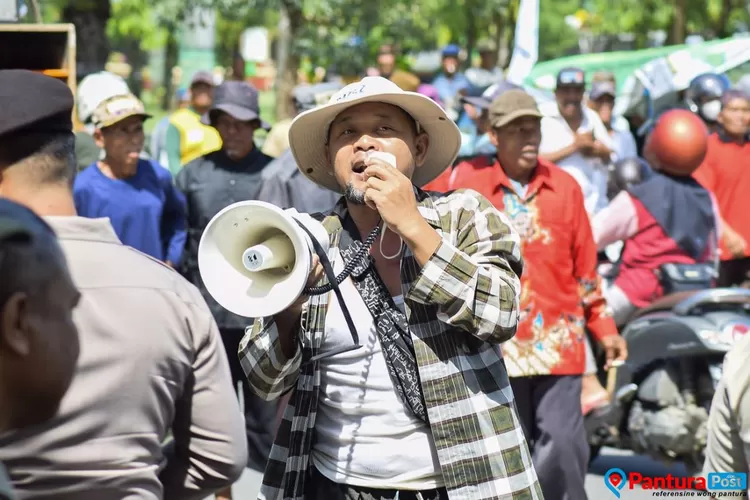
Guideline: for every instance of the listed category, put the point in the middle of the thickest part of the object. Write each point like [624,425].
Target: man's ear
[13,335]
[492,132]
[99,138]
[720,118]
[421,143]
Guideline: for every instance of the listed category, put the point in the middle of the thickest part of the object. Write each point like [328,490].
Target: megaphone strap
[334,282]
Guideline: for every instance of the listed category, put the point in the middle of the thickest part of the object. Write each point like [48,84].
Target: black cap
[239,100]
[571,77]
[307,97]
[33,102]
[18,223]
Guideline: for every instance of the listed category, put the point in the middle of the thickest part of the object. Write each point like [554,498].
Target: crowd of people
[476,319]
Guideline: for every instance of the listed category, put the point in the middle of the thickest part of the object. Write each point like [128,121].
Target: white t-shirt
[365,435]
[591,173]
[623,144]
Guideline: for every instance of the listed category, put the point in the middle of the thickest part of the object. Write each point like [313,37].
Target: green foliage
[556,38]
[135,20]
[711,18]
[328,26]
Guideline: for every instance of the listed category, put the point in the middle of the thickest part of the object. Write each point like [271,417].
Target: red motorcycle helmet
[678,143]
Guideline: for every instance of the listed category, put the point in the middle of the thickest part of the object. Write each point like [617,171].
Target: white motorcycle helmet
[95,88]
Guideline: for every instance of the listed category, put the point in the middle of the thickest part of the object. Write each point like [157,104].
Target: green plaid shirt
[460,306]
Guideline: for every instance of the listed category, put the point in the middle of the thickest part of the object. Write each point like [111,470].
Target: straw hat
[308,133]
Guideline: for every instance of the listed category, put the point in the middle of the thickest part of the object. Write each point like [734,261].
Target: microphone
[382,156]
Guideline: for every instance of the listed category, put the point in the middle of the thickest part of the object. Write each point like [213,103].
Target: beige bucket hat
[308,133]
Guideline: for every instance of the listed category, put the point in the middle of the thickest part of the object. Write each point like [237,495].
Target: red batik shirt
[561,293]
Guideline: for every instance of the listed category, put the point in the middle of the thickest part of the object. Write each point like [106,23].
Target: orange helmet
[678,143]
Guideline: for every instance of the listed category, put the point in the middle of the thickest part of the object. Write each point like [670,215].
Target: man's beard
[354,195]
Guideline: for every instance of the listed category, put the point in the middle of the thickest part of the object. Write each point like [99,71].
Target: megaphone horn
[255,259]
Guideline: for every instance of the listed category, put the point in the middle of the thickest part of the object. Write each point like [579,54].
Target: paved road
[629,463]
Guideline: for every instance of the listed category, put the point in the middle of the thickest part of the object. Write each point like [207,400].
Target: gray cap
[601,88]
[202,77]
[239,100]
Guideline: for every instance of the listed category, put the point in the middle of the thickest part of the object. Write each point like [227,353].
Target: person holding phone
[399,389]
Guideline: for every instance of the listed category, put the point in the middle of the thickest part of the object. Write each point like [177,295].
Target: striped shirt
[460,306]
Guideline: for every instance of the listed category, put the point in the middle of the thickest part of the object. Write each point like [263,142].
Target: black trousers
[550,412]
[260,415]
[319,487]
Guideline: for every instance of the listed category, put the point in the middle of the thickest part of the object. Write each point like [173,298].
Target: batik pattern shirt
[561,295]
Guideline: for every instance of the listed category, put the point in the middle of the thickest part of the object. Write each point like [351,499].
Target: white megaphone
[255,259]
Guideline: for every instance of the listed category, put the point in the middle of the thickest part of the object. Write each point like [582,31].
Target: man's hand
[316,274]
[734,242]
[391,193]
[287,320]
[615,349]
[601,151]
[584,142]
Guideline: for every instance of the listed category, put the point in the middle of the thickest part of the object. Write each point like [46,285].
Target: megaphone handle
[331,275]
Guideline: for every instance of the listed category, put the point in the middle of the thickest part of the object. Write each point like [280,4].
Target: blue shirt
[449,87]
[473,144]
[146,210]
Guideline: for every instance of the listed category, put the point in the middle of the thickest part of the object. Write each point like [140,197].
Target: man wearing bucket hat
[211,183]
[423,409]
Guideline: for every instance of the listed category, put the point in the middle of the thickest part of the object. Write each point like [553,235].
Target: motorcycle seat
[665,303]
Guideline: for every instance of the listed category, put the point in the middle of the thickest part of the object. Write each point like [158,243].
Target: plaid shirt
[460,306]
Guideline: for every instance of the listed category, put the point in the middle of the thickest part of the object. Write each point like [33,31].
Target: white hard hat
[96,88]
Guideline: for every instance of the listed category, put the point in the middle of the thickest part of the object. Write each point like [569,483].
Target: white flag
[526,46]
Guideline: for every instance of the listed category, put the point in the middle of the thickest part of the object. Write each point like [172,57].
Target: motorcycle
[662,394]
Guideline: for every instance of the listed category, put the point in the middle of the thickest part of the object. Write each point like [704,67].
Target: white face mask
[710,110]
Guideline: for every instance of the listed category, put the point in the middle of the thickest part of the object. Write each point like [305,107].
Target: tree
[90,19]
[678,18]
